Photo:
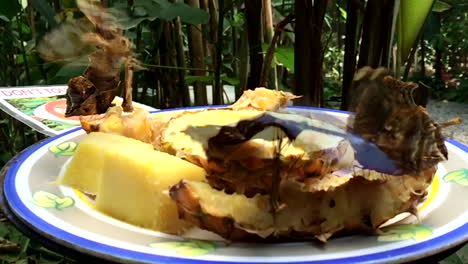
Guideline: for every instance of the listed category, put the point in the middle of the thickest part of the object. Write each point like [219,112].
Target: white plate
[66,217]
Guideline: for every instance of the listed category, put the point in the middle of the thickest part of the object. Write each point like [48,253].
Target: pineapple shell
[337,205]
[248,168]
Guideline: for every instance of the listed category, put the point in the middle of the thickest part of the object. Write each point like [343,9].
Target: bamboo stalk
[217,91]
[197,57]
[23,50]
[182,85]
[254,29]
[244,63]
[268,71]
[266,67]
[349,62]
[308,51]
[32,25]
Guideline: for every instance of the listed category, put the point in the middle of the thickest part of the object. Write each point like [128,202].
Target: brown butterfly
[94,91]
[387,115]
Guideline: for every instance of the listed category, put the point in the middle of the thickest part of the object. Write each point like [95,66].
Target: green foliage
[9,9]
[20,249]
[46,11]
[411,18]
[440,6]
[285,57]
[152,9]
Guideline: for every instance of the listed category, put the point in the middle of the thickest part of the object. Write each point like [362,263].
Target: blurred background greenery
[206,44]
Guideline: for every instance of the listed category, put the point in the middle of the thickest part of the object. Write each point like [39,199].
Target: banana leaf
[411,18]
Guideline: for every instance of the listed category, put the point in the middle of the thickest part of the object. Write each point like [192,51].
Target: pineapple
[247,168]
[294,162]
[86,167]
[133,125]
[130,180]
[275,175]
[263,99]
[332,205]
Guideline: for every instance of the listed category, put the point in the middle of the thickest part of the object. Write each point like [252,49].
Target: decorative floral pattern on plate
[191,248]
[404,232]
[50,200]
[63,149]
[459,176]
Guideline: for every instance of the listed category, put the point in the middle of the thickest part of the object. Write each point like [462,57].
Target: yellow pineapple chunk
[135,183]
[86,167]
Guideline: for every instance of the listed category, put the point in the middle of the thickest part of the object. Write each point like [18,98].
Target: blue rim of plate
[407,253]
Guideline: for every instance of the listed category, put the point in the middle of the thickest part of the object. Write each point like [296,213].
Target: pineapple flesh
[130,180]
[86,168]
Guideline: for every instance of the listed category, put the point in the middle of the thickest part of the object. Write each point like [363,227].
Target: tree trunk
[168,56]
[243,67]
[268,32]
[181,84]
[197,57]
[308,51]
[423,57]
[253,10]
[376,33]
[349,64]
[438,64]
[156,35]
[218,88]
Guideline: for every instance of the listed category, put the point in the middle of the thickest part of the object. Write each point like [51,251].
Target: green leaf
[432,27]
[190,248]
[231,81]
[50,200]
[63,149]
[440,6]
[69,3]
[463,254]
[405,232]
[459,176]
[411,18]
[163,9]
[46,11]
[285,57]
[9,9]
[139,11]
[71,70]
[186,13]
[128,22]
[452,259]
[343,13]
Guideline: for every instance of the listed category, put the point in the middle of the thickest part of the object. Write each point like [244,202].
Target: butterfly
[99,37]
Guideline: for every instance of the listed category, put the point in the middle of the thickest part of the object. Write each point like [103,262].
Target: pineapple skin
[330,207]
